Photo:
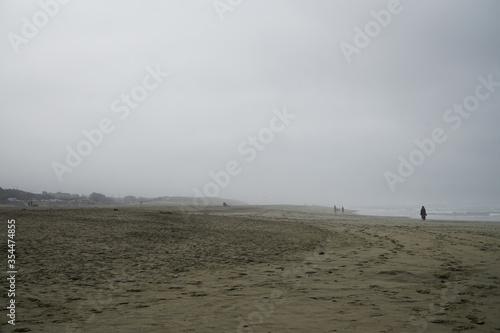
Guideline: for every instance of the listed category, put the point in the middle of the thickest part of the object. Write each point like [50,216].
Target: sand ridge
[252,269]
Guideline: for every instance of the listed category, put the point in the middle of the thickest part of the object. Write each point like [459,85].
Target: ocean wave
[462,214]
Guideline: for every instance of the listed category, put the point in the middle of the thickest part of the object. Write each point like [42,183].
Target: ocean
[437,212]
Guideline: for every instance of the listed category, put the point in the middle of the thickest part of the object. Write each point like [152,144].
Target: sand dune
[251,269]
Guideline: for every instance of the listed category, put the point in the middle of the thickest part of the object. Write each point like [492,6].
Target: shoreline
[290,207]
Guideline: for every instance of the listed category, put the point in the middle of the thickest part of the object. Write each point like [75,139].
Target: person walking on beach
[423,213]
[335,209]
[342,209]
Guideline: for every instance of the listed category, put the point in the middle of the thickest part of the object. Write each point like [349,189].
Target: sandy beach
[250,269]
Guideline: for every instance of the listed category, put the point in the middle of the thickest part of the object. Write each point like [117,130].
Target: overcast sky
[335,92]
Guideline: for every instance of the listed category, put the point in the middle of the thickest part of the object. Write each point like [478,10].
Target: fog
[267,102]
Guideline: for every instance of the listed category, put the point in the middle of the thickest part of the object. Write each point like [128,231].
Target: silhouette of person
[423,213]
[342,209]
[335,209]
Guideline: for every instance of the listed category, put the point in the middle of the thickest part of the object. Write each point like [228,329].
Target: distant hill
[22,195]
[189,201]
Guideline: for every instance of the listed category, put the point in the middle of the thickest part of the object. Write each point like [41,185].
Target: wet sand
[250,269]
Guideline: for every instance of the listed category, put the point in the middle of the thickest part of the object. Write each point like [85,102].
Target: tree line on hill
[19,195]
[23,198]
[5,194]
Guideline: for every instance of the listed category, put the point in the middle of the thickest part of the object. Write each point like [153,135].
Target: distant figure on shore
[224,204]
[335,209]
[423,213]
[342,209]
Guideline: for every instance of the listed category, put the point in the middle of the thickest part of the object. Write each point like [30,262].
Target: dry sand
[250,269]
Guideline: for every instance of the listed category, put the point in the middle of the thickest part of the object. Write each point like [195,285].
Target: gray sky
[230,71]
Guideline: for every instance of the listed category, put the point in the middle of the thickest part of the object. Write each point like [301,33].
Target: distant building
[65,196]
